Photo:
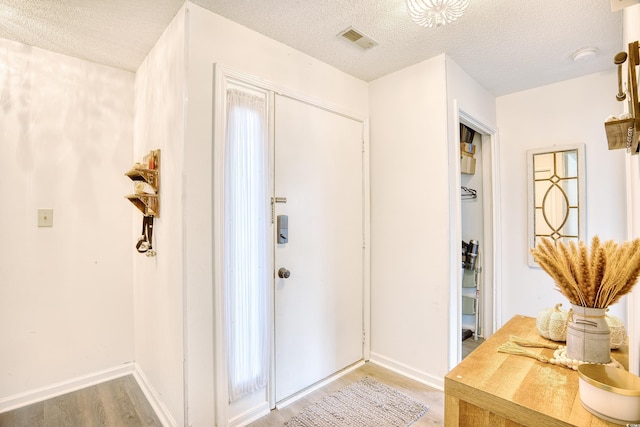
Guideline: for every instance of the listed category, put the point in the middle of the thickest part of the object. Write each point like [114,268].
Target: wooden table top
[520,388]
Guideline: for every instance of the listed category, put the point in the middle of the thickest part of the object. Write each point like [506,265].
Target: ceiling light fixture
[435,13]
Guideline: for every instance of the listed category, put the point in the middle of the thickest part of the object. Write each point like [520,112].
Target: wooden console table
[489,388]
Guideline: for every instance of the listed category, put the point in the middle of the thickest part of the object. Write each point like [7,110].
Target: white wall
[158,281]
[66,306]
[413,165]
[67,129]
[409,220]
[213,39]
[568,112]
[469,96]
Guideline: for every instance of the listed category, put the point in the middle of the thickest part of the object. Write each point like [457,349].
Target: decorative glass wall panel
[556,195]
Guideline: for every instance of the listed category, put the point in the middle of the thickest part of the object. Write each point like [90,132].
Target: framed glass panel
[557,205]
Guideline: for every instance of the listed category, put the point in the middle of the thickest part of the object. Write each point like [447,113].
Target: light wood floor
[119,402]
[469,345]
[432,397]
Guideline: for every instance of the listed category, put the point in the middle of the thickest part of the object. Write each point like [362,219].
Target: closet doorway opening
[476,284]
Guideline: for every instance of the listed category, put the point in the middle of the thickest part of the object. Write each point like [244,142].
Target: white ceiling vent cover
[358,38]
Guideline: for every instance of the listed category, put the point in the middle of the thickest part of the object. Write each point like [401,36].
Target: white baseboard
[250,415]
[152,396]
[407,371]
[58,389]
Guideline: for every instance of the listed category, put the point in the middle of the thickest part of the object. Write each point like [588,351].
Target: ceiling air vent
[358,38]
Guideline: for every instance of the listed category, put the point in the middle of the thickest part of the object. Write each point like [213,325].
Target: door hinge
[364,336]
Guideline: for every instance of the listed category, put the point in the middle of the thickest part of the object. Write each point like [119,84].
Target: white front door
[319,307]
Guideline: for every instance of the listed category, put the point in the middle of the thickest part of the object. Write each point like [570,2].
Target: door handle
[283,273]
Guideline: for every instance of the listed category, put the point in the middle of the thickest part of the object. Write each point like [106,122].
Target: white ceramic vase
[588,335]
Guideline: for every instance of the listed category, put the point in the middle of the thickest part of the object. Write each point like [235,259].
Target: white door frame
[632,169]
[491,213]
[251,409]
[221,76]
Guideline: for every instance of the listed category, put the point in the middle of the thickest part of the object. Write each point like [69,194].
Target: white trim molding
[408,371]
[63,387]
[68,386]
[222,77]
[153,398]
[492,231]
[632,166]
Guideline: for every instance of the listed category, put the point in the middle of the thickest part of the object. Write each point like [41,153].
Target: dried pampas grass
[590,277]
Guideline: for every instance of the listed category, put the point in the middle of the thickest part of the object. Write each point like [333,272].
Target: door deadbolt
[283,273]
[283,229]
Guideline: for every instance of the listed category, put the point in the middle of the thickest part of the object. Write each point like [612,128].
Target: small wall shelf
[621,134]
[146,175]
[625,133]
[147,204]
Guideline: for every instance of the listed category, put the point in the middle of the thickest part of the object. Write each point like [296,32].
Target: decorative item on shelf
[588,335]
[551,323]
[618,331]
[467,150]
[519,346]
[591,280]
[624,132]
[621,133]
[610,393]
[146,177]
[467,159]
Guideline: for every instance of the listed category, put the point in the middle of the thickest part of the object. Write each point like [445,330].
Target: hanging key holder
[145,241]
[146,177]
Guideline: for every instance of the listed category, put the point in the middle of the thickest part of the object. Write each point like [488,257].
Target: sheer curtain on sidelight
[246,248]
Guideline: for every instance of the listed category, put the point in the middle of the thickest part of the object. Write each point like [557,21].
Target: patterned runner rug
[366,403]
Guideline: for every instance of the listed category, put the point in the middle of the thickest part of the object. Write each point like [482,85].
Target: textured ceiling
[119,33]
[506,45]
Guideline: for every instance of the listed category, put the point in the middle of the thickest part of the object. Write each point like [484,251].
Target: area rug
[366,403]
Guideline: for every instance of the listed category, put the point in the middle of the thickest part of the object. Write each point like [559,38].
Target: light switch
[45,217]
